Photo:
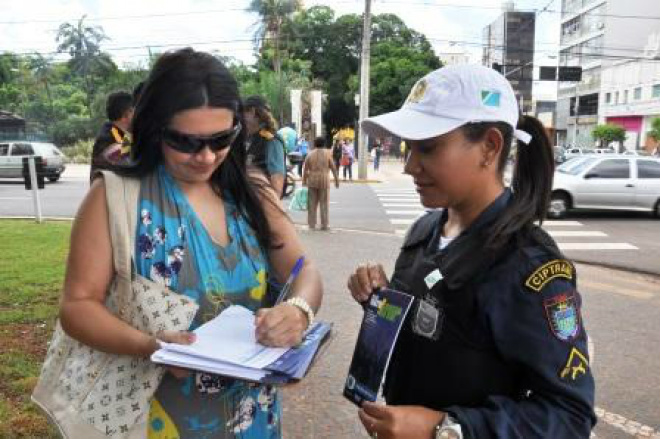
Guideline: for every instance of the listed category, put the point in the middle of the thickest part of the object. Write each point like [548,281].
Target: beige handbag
[89,394]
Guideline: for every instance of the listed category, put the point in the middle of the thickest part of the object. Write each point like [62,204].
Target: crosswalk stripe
[398,200]
[575,233]
[404,212]
[399,205]
[402,221]
[562,223]
[596,246]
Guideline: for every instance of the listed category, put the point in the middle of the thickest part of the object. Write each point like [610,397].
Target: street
[625,240]
[621,308]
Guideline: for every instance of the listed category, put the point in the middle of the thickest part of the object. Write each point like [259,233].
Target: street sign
[547,73]
[570,74]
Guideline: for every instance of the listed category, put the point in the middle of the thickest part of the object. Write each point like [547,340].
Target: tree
[41,69]
[608,133]
[273,15]
[83,44]
[655,129]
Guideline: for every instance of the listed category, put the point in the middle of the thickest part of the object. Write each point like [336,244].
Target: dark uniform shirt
[109,134]
[509,356]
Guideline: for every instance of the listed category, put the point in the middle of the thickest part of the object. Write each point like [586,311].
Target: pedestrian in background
[347,158]
[265,148]
[377,153]
[302,148]
[336,152]
[317,180]
[494,346]
[113,145]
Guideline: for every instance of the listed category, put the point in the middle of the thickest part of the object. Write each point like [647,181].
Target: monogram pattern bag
[89,394]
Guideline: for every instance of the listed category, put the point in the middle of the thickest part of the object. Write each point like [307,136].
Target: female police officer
[494,346]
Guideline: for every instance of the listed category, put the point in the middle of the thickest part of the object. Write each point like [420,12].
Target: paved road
[621,310]
[626,240]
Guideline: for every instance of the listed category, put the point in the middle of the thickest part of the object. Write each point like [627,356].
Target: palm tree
[83,43]
[41,67]
[273,14]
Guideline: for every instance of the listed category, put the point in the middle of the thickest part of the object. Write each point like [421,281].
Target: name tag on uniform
[433,278]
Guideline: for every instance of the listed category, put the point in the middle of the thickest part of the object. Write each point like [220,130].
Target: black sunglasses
[191,144]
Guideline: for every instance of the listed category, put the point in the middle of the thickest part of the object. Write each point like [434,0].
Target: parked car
[604,151]
[576,152]
[12,153]
[608,182]
[637,152]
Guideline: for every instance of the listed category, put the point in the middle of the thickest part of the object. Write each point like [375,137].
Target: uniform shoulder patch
[266,134]
[549,271]
[576,365]
[563,315]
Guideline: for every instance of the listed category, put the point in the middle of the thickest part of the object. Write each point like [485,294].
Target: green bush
[69,131]
[79,152]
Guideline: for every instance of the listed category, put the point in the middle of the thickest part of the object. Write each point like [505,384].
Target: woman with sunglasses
[208,229]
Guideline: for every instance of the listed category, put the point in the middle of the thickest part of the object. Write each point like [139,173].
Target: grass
[32,262]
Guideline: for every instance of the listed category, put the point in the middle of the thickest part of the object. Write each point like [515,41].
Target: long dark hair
[532,177]
[182,80]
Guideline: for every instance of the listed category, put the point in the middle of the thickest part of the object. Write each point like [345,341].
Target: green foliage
[70,130]
[79,152]
[608,133]
[332,45]
[655,129]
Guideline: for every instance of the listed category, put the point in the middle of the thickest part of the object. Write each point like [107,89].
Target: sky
[137,26]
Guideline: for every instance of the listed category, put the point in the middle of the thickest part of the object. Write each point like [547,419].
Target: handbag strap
[122,198]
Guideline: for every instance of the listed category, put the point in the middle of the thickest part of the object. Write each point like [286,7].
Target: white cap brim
[410,124]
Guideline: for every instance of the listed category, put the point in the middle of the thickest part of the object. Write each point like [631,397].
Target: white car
[12,153]
[607,182]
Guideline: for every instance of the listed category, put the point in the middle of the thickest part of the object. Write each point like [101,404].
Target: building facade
[630,96]
[595,34]
[509,42]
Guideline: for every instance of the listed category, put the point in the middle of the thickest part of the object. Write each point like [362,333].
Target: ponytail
[532,177]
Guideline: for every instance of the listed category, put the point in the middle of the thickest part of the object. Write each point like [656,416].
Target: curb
[31,218]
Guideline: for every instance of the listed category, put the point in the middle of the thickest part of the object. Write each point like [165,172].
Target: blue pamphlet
[383,317]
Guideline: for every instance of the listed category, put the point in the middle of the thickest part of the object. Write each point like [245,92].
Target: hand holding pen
[282,325]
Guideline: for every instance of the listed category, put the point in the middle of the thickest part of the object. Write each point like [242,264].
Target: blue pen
[289,282]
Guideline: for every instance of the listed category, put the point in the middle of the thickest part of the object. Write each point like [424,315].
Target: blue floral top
[174,248]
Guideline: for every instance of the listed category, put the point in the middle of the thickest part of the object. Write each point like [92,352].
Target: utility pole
[364,90]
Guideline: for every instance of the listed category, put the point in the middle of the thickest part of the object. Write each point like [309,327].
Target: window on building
[638,93]
[616,98]
[656,91]
[608,98]
[648,169]
[619,168]
[625,96]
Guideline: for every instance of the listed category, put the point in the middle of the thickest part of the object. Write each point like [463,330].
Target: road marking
[562,223]
[404,212]
[573,233]
[624,424]
[402,221]
[399,205]
[596,246]
[629,292]
[15,198]
[398,200]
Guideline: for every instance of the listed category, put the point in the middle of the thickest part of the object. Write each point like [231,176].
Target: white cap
[448,98]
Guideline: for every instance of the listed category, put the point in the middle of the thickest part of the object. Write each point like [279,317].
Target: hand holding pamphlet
[383,317]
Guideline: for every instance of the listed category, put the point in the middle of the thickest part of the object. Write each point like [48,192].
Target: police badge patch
[563,316]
